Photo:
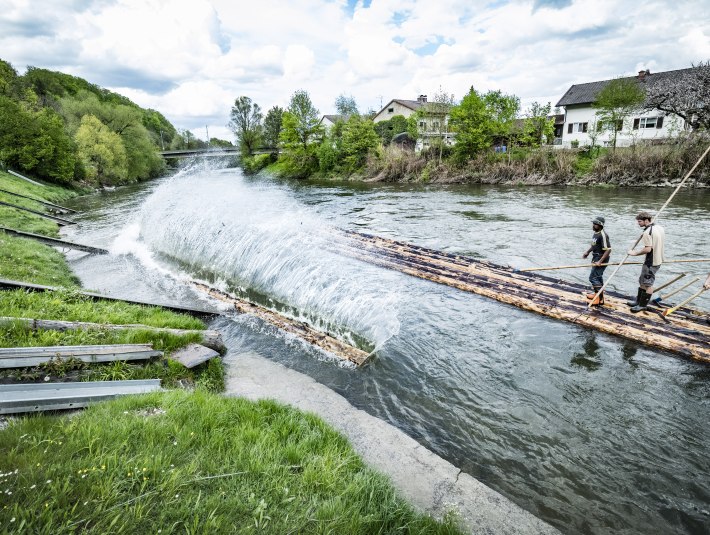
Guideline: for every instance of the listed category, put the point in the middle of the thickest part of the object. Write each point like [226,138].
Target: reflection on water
[592,433]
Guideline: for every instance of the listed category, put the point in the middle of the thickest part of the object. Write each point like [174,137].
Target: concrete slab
[423,478]
[193,354]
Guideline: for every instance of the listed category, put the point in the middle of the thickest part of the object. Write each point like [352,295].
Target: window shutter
[659,122]
[636,123]
[569,128]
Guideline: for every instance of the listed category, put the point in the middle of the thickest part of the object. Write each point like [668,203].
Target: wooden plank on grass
[21,357]
[194,354]
[35,397]
[40,201]
[59,220]
[209,338]
[53,241]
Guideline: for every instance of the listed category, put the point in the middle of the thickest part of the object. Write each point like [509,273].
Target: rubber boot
[639,294]
[642,304]
[596,301]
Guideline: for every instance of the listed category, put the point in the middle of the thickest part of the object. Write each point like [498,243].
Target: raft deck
[686,332]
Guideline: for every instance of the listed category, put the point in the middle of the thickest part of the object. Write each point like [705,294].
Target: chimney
[421,98]
[643,74]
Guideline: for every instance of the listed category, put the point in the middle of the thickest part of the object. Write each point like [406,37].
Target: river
[592,433]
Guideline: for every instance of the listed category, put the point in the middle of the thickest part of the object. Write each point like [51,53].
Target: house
[433,123]
[328,121]
[641,126]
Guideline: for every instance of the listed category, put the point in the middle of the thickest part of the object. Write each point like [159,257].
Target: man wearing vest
[600,249]
[652,239]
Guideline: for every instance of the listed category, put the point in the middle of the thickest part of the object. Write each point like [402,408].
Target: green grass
[21,220]
[30,261]
[193,463]
[70,305]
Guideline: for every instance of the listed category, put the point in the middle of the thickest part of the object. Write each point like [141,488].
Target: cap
[599,220]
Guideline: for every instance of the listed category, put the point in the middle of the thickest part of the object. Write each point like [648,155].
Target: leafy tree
[503,109]
[272,126]
[538,126]
[35,142]
[437,111]
[472,122]
[687,96]
[358,140]
[390,128]
[8,78]
[346,106]
[101,151]
[161,130]
[616,101]
[300,135]
[246,124]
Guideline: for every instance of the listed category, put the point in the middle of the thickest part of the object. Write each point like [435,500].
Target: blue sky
[190,59]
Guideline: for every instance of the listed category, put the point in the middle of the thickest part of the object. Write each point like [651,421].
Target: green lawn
[179,462]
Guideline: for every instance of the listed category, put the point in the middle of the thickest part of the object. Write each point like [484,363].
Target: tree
[616,101]
[246,124]
[471,120]
[503,110]
[35,142]
[358,140]
[390,128]
[301,134]
[538,126]
[687,96]
[8,78]
[101,151]
[272,126]
[438,110]
[346,106]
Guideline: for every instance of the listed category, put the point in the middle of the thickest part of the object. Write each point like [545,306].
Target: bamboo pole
[670,282]
[612,264]
[673,309]
[662,297]
[596,296]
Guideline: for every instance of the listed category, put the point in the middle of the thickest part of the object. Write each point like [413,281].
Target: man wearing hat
[600,249]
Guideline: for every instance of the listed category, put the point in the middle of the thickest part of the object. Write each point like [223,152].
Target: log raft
[686,333]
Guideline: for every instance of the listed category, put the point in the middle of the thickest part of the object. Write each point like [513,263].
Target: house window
[648,122]
[422,124]
[435,124]
[577,128]
[390,110]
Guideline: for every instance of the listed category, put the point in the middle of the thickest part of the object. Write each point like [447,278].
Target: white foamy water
[260,239]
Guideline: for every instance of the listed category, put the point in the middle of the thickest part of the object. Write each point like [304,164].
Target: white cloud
[190,59]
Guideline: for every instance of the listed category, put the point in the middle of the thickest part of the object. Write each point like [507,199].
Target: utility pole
[162,145]
[208,135]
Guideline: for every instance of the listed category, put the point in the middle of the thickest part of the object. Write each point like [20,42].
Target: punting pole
[677,189]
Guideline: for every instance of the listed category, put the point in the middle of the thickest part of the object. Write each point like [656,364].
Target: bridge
[211,152]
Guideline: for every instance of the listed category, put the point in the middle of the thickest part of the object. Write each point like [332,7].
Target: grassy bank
[193,463]
[641,165]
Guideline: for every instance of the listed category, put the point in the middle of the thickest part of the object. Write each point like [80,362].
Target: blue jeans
[596,277]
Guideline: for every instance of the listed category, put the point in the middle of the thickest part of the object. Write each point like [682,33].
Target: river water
[592,433]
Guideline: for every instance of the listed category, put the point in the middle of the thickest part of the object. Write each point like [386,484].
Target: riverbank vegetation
[65,130]
[484,138]
[193,462]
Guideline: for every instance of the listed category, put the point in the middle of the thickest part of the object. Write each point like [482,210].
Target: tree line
[63,129]
[480,122]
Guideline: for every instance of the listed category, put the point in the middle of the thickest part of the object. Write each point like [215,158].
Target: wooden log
[297,328]
[209,338]
[689,336]
[53,241]
[22,357]
[60,209]
[7,284]
[59,220]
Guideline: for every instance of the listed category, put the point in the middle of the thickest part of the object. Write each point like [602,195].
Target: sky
[190,59]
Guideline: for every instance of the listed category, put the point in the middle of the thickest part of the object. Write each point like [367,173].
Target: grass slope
[193,463]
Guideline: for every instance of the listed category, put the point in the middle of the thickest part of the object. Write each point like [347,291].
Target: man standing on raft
[652,239]
[600,249]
